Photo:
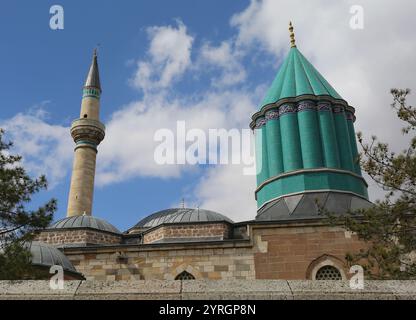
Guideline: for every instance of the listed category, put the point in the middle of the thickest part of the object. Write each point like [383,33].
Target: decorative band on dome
[287,108]
[324,106]
[272,114]
[306,106]
[260,122]
[338,109]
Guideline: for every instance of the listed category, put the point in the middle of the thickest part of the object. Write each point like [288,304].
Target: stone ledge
[27,289]
[379,290]
[236,290]
[207,290]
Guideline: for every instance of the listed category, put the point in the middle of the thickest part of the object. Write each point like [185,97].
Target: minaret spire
[292,36]
[87,132]
[93,78]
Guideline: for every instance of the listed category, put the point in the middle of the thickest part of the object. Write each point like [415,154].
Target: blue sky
[223,57]
[43,68]
[51,65]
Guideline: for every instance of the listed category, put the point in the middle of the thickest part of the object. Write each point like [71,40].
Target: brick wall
[81,236]
[214,230]
[290,252]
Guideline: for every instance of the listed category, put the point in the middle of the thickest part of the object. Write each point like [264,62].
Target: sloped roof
[297,77]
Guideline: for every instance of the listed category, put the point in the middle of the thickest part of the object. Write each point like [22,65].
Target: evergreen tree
[389,227]
[17,223]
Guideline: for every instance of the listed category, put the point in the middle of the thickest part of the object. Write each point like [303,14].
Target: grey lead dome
[84,222]
[46,256]
[181,215]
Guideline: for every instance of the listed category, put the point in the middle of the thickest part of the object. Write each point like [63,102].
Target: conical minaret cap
[93,78]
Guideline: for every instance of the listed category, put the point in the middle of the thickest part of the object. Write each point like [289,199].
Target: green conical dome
[305,145]
[297,77]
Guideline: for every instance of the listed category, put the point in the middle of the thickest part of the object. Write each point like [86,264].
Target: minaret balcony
[87,129]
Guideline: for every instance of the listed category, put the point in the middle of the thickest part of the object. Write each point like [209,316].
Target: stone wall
[289,251]
[215,261]
[295,251]
[77,236]
[206,289]
[206,230]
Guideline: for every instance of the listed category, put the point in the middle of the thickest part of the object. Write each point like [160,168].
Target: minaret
[87,132]
[306,149]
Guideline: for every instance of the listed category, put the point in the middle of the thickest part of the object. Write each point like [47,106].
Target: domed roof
[46,256]
[84,222]
[181,215]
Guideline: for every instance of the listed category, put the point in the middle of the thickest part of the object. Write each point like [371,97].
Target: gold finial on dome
[292,36]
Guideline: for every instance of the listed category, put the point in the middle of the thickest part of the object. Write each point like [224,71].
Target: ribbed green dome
[297,77]
[305,140]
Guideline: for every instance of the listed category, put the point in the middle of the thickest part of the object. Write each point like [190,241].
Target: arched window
[328,273]
[185,276]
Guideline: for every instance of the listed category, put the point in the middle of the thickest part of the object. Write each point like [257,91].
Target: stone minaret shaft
[87,132]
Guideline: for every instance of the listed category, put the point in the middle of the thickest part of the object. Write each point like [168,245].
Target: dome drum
[188,232]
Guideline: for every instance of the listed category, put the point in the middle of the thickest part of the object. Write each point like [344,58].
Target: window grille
[328,273]
[185,276]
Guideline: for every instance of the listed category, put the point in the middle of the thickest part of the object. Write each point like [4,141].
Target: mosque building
[307,154]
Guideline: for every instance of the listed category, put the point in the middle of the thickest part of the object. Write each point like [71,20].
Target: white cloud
[224,58]
[131,131]
[226,190]
[46,149]
[169,57]
[128,150]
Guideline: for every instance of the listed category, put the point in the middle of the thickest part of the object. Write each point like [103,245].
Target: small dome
[181,215]
[45,255]
[84,222]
